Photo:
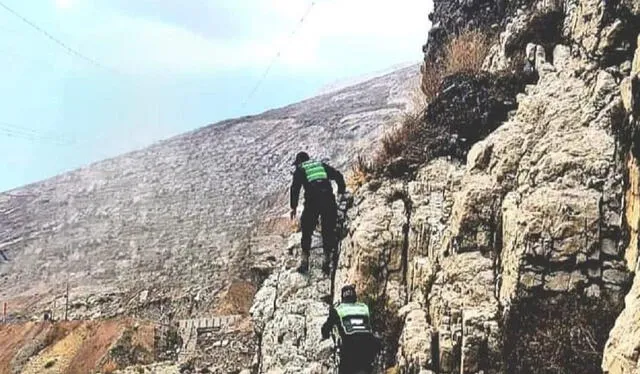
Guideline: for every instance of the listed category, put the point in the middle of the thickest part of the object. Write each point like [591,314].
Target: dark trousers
[356,361]
[357,354]
[324,207]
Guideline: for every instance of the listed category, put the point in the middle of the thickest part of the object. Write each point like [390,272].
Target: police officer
[350,322]
[319,201]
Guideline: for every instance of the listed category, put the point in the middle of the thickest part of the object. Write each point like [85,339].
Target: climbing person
[350,323]
[319,201]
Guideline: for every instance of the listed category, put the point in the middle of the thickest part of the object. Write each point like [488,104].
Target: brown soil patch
[144,337]
[237,299]
[74,347]
[100,336]
[12,337]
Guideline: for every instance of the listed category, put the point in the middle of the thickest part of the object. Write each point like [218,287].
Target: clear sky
[163,67]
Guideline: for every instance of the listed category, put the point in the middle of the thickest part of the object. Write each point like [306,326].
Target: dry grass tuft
[394,142]
[359,173]
[563,335]
[466,52]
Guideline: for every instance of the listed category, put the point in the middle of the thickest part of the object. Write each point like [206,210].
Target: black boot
[304,264]
[326,264]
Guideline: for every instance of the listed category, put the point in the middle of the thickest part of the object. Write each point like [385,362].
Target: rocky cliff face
[521,257]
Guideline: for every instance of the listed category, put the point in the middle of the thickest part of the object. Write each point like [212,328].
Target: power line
[273,60]
[50,135]
[30,134]
[71,51]
[19,135]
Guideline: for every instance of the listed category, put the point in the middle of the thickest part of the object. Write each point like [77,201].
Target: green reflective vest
[314,170]
[354,318]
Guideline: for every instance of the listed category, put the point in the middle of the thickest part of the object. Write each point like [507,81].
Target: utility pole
[66,303]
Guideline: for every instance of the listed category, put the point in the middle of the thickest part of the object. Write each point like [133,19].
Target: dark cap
[348,293]
[300,158]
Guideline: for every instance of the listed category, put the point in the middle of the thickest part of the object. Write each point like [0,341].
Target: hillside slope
[163,231]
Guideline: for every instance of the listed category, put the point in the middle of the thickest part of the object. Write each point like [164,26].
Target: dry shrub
[466,52]
[562,335]
[431,80]
[395,141]
[359,173]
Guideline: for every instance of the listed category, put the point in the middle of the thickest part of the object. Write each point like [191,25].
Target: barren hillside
[163,231]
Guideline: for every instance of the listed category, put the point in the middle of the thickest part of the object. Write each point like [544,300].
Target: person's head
[300,158]
[348,294]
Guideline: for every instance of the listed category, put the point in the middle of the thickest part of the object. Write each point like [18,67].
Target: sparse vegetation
[463,54]
[564,335]
[466,52]
[359,173]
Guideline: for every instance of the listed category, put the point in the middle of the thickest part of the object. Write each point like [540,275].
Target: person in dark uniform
[319,201]
[350,323]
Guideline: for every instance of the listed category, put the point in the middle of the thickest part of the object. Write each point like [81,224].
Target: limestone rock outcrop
[446,258]
[288,313]
[622,352]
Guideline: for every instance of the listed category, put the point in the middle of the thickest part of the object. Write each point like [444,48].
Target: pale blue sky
[170,66]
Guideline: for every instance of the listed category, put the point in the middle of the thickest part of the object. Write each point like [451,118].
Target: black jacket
[311,193]
[332,320]
[357,351]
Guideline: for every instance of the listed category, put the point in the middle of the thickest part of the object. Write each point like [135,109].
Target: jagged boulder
[373,255]
[414,347]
